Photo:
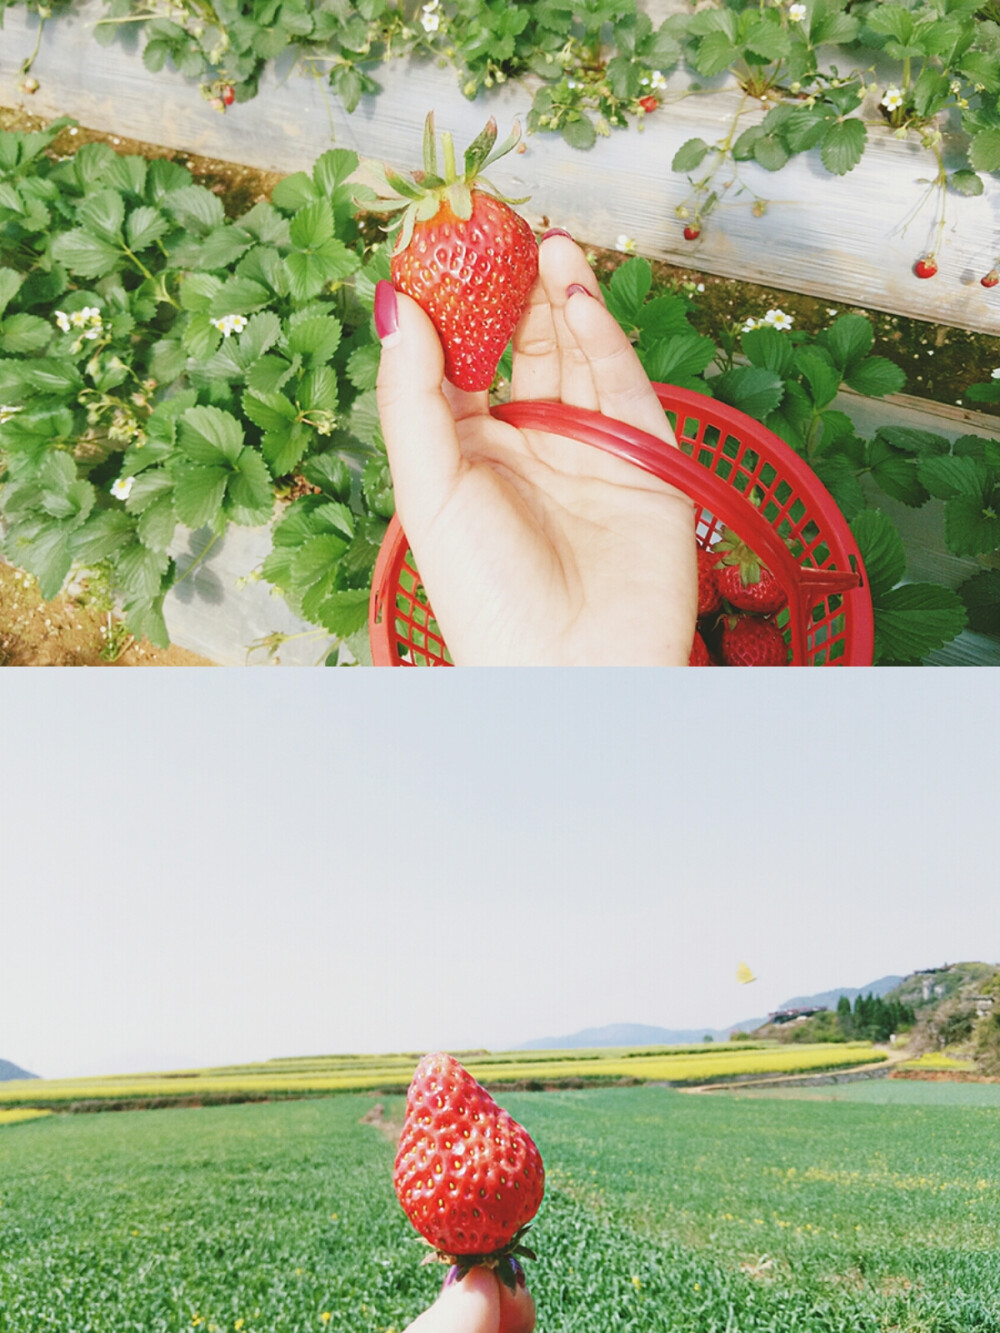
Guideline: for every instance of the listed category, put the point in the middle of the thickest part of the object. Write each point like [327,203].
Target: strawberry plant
[163,365]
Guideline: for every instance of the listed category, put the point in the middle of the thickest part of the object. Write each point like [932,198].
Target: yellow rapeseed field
[317,1075]
[12,1114]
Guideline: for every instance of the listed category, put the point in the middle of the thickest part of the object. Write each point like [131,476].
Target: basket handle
[805,586]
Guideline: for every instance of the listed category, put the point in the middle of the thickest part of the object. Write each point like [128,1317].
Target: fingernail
[386,314]
[575,287]
[556,231]
[522,1281]
[453,1275]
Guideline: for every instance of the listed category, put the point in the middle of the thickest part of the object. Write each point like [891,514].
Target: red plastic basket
[740,475]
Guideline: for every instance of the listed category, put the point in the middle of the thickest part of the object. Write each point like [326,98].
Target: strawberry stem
[448,144]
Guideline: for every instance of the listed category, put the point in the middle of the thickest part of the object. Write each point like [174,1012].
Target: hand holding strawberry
[534,548]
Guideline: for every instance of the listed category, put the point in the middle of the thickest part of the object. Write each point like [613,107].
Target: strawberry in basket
[468,1176]
[462,253]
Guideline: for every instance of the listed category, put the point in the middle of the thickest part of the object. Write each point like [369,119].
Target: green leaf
[629,287]
[102,214]
[984,150]
[157,523]
[330,473]
[346,82]
[312,225]
[690,155]
[843,145]
[210,435]
[896,473]
[316,559]
[770,349]
[103,533]
[84,254]
[24,333]
[947,476]
[317,337]
[876,376]
[972,524]
[284,446]
[46,554]
[662,317]
[147,486]
[881,550]
[770,152]
[309,273]
[678,359]
[269,411]
[199,492]
[966,182]
[363,364]
[715,53]
[981,595]
[224,246]
[806,128]
[344,612]
[822,378]
[145,225]
[579,133]
[293,192]
[848,339]
[752,389]
[140,571]
[196,207]
[238,296]
[318,390]
[250,501]
[914,619]
[10,282]
[144,619]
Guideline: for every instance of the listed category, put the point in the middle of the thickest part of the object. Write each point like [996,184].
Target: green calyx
[733,551]
[421,196]
[503,1261]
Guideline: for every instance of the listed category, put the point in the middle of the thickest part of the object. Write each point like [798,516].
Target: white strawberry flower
[796,13]
[228,324]
[122,488]
[430,20]
[625,244]
[750,324]
[657,80]
[892,99]
[62,319]
[995,374]
[777,319]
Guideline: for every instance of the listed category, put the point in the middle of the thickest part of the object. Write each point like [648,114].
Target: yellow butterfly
[744,975]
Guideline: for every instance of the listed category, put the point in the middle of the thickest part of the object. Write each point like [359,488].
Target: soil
[939,361]
[71,630]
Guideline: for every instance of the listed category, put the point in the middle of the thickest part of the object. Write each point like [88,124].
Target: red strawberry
[691,233]
[990,279]
[709,597]
[926,267]
[744,582]
[648,103]
[228,94]
[749,641]
[700,656]
[463,254]
[469,1177]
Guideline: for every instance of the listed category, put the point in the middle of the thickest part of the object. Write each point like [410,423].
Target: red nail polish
[386,312]
[575,287]
[556,231]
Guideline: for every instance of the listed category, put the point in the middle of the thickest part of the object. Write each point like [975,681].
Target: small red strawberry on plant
[462,253]
[649,103]
[228,94]
[691,232]
[751,641]
[743,581]
[468,1176]
[990,279]
[926,267]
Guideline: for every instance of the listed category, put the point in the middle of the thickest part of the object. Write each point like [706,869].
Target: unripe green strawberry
[468,1176]
[464,255]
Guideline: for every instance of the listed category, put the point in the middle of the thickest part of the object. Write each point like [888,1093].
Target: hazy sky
[202,867]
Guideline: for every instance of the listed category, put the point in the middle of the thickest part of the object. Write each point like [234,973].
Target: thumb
[471,1305]
[417,422]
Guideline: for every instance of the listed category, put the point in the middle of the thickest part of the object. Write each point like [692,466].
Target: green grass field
[665,1212]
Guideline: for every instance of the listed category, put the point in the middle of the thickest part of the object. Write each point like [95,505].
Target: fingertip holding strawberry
[467,1175]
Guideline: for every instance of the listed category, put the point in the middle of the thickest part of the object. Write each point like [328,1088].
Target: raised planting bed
[853,239]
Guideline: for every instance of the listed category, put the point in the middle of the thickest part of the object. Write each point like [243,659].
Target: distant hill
[639,1034]
[8,1071]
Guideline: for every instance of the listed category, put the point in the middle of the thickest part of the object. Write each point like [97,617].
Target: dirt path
[894,1056]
